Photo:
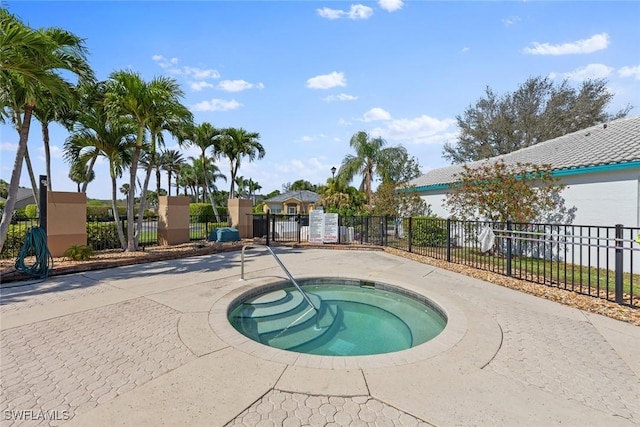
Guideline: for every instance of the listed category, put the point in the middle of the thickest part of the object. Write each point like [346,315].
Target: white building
[600,167]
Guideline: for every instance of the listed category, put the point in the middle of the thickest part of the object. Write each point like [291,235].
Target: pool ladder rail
[254,246]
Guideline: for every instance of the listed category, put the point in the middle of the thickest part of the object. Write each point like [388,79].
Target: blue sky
[307,75]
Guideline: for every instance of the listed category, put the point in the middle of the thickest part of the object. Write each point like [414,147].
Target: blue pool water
[352,320]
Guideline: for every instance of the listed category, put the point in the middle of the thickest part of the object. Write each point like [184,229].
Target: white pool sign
[323,228]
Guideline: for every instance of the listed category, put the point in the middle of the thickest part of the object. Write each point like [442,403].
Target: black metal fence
[103,235]
[600,261]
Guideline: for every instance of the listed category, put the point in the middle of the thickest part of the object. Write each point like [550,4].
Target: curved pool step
[303,332]
[290,302]
[271,298]
[283,320]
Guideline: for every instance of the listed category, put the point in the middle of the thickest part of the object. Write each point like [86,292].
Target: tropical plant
[95,136]
[129,96]
[170,162]
[81,174]
[235,144]
[32,63]
[369,161]
[203,136]
[79,253]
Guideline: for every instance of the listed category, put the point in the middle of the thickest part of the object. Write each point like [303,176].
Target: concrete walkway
[150,345]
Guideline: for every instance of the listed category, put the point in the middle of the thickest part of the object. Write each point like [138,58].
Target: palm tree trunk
[15,175]
[32,177]
[87,172]
[116,217]
[143,202]
[132,245]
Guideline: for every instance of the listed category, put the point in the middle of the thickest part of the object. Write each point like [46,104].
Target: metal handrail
[251,246]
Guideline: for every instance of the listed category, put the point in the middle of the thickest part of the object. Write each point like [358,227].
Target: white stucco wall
[605,198]
[602,198]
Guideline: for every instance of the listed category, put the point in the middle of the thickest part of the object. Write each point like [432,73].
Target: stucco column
[240,211]
[66,221]
[173,220]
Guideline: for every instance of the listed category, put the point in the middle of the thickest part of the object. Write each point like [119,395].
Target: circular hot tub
[338,317]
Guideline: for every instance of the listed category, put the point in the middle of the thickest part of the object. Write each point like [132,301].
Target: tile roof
[606,144]
[302,195]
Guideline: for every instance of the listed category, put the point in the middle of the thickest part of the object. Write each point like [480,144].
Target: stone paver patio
[149,345]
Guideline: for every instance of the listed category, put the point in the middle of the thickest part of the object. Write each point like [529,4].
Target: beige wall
[66,221]
[173,220]
[240,211]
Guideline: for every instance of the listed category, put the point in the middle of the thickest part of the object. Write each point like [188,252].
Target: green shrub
[15,238]
[103,236]
[31,211]
[79,253]
[428,231]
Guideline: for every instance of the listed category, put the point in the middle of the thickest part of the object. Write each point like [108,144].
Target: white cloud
[238,85]
[327,81]
[306,138]
[357,11]
[164,62]
[217,105]
[627,71]
[8,146]
[591,71]
[418,130]
[391,5]
[510,20]
[198,86]
[376,114]
[465,49]
[592,44]
[200,73]
[340,97]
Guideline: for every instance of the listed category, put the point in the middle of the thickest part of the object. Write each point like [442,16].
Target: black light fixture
[333,172]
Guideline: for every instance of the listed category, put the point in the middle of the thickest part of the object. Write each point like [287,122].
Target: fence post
[449,237]
[42,201]
[268,225]
[509,248]
[619,263]
[410,234]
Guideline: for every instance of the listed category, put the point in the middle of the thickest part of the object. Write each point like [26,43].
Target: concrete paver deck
[149,345]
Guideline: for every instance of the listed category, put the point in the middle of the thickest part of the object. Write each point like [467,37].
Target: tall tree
[80,173]
[94,136]
[170,162]
[371,160]
[205,137]
[537,111]
[32,66]
[128,95]
[235,144]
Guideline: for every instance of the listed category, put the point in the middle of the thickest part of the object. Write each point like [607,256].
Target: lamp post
[333,173]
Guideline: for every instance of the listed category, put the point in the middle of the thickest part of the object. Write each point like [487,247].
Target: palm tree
[242,184]
[81,174]
[128,95]
[171,117]
[252,187]
[31,63]
[235,144]
[204,136]
[370,160]
[170,162]
[94,137]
